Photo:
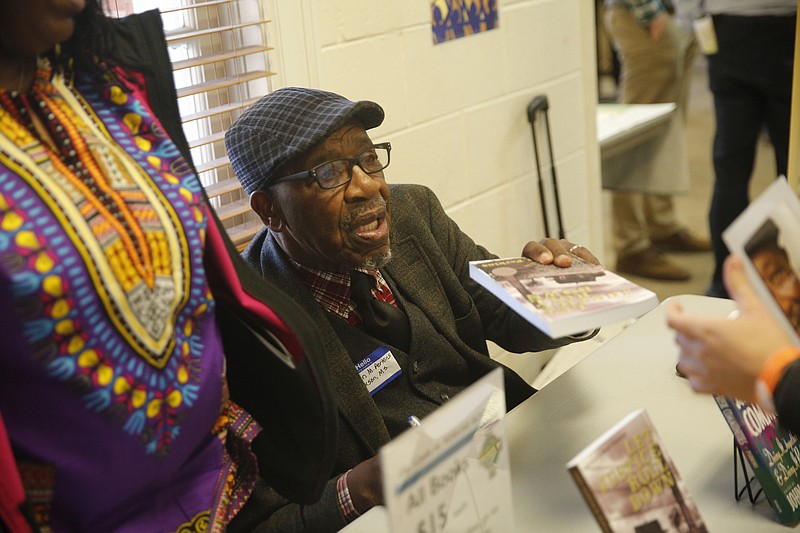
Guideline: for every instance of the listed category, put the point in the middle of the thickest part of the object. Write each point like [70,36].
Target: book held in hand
[771,452]
[630,483]
[563,301]
[766,236]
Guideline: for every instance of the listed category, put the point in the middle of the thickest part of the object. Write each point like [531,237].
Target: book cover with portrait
[766,236]
[631,484]
[563,301]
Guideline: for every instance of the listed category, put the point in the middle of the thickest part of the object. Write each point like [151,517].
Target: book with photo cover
[630,483]
[563,301]
[766,236]
[771,452]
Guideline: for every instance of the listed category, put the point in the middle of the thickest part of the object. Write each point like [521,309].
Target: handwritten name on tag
[378,369]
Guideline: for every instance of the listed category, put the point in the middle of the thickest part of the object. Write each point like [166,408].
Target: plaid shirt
[644,10]
[346,506]
[332,290]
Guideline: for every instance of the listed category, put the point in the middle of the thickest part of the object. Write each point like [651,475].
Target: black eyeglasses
[337,172]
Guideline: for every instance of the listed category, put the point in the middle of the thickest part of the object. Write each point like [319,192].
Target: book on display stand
[764,452]
[766,236]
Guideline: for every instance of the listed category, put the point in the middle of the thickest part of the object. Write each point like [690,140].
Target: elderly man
[334,228]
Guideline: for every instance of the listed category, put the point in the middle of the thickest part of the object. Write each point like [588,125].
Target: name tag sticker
[378,369]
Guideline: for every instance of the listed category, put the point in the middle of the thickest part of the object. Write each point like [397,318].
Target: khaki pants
[652,72]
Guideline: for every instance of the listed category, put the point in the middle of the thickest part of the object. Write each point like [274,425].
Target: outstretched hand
[722,355]
[558,252]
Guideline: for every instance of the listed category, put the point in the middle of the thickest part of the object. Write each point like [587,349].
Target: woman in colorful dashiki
[112,276]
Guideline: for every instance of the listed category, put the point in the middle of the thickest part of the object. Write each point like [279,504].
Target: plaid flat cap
[285,124]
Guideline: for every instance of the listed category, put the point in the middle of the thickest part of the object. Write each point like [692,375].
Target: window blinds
[221,63]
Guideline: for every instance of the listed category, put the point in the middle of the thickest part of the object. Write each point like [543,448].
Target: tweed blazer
[429,267]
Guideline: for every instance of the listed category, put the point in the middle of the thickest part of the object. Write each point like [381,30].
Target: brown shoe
[682,241]
[652,263]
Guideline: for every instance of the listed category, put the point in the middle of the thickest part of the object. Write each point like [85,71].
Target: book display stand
[766,459]
[750,482]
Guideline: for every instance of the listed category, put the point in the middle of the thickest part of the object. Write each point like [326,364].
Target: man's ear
[268,209]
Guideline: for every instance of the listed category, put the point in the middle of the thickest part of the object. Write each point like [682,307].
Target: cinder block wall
[456,112]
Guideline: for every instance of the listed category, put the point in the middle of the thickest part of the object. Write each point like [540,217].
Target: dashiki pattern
[111,218]
[97,225]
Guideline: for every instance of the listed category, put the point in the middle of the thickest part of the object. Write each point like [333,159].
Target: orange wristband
[773,369]
[771,373]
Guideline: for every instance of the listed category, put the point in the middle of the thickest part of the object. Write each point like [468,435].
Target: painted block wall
[456,112]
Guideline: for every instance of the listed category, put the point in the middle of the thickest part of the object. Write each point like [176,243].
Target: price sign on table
[451,473]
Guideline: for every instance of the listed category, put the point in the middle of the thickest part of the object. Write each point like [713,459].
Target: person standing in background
[750,76]
[655,56]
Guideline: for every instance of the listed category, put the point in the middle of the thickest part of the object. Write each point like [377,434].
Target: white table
[642,148]
[635,369]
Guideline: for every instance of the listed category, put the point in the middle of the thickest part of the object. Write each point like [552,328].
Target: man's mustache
[350,219]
